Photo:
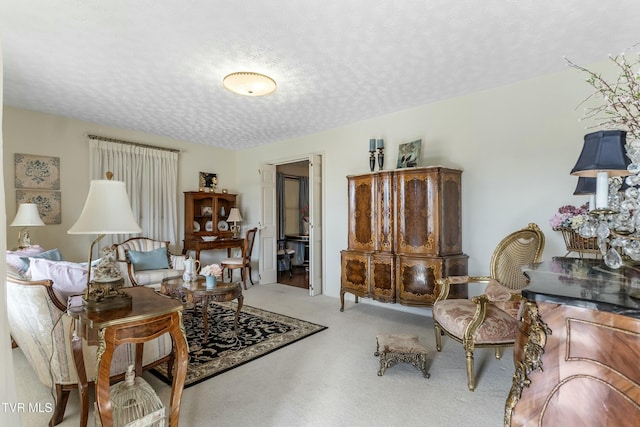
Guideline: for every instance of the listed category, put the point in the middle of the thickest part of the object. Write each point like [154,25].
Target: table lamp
[235,217]
[603,155]
[106,211]
[27,216]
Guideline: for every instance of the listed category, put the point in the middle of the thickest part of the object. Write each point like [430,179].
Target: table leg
[182,359]
[235,322]
[103,387]
[83,388]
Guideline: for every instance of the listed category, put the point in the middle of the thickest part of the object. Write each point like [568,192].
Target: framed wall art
[208,181]
[37,172]
[49,203]
[409,153]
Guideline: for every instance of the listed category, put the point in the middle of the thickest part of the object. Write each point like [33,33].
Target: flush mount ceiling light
[249,84]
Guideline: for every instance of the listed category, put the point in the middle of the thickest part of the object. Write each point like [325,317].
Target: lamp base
[105,296]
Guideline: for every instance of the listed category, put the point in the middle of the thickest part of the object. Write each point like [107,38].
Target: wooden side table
[150,316]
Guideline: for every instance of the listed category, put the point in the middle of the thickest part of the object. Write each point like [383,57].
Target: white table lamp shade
[106,211]
[234,215]
[27,216]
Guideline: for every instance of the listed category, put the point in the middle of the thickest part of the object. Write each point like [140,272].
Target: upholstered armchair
[42,330]
[491,319]
[145,262]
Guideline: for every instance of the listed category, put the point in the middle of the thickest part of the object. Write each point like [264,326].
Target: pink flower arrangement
[304,212]
[569,216]
[211,270]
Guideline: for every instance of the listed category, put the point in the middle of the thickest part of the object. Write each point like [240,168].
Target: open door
[267,225]
[315,225]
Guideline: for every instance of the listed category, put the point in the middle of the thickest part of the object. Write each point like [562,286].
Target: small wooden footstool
[401,348]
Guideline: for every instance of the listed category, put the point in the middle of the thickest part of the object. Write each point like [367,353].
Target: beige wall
[48,135]
[516,145]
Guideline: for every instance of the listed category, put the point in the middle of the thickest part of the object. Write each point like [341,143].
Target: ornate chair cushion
[455,315]
[502,297]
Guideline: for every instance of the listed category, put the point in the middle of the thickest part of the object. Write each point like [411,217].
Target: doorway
[292,194]
[271,228]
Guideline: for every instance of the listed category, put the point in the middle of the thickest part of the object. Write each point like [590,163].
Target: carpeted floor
[327,380]
[260,332]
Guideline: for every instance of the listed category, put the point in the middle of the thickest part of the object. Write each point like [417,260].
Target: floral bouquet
[304,213]
[211,270]
[569,217]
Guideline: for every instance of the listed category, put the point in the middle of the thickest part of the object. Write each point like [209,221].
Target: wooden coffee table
[223,292]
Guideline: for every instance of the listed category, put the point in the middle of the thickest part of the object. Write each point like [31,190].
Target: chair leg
[244,278]
[62,397]
[250,278]
[498,353]
[470,376]
[438,332]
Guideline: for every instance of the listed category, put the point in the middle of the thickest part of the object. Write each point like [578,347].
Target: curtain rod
[291,176]
[137,144]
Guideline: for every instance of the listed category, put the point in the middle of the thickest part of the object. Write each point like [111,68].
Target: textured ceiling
[157,65]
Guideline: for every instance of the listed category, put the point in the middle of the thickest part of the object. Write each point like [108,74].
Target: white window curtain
[151,178]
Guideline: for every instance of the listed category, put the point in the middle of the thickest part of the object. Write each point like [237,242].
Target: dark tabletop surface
[586,283]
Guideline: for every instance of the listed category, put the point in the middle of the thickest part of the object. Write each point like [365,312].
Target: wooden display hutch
[404,233]
[205,214]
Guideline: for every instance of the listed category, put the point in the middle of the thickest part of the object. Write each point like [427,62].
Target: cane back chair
[491,319]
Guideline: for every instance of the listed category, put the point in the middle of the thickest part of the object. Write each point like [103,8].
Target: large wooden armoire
[404,234]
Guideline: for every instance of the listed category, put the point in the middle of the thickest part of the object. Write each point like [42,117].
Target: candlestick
[602,190]
[380,143]
[372,145]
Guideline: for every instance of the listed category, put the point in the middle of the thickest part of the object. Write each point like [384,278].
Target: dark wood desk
[150,316]
[578,347]
[220,243]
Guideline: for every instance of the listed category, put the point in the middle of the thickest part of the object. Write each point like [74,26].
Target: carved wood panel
[355,272]
[362,216]
[385,212]
[383,274]
[584,372]
[417,213]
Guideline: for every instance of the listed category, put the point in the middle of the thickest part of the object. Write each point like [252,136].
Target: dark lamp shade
[586,186]
[603,151]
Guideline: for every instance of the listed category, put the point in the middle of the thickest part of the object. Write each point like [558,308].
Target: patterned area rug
[259,332]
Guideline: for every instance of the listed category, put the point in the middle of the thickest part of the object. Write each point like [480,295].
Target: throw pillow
[69,278]
[156,259]
[13,257]
[51,254]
